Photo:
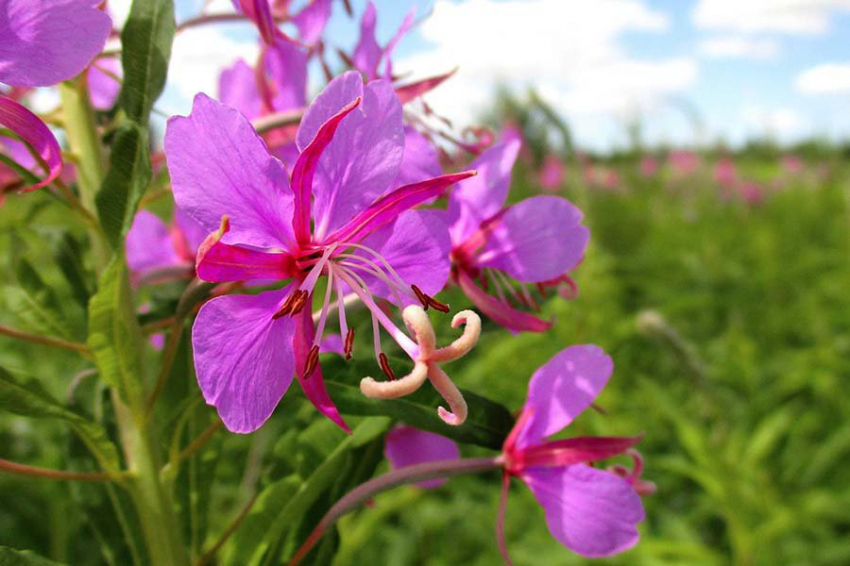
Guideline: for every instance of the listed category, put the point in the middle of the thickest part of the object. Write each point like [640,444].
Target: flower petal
[286,65]
[220,167]
[43,42]
[414,90]
[498,311]
[591,512]
[538,239]
[220,263]
[477,199]
[363,160]
[244,357]
[192,233]
[260,12]
[104,82]
[314,384]
[237,88]
[408,446]
[420,159]
[562,388]
[405,26]
[149,244]
[417,247]
[312,19]
[367,52]
[34,133]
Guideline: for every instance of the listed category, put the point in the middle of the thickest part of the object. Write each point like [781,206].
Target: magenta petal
[414,90]
[408,446]
[420,159]
[572,451]
[244,357]
[286,65]
[591,512]
[314,384]
[367,52]
[332,344]
[220,263]
[220,167]
[104,82]
[36,134]
[237,88]
[363,160]
[388,50]
[538,239]
[562,388]
[312,19]
[149,245]
[260,12]
[192,233]
[477,199]
[43,42]
[388,208]
[417,246]
[499,312]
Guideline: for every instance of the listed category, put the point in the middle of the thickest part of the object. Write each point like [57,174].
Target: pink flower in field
[342,214]
[592,512]
[725,173]
[751,193]
[499,250]
[408,446]
[552,173]
[793,164]
[649,166]
[683,162]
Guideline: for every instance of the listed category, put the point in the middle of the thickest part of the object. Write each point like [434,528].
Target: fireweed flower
[340,216]
[407,446]
[535,242]
[34,133]
[310,21]
[368,54]
[552,174]
[156,251]
[590,511]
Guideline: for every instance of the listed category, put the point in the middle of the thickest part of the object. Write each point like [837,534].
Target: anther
[298,302]
[312,362]
[385,366]
[349,343]
[438,306]
[423,298]
[287,306]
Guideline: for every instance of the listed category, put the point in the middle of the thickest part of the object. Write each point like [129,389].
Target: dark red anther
[298,302]
[287,306]
[385,366]
[438,306]
[349,343]
[312,362]
[422,297]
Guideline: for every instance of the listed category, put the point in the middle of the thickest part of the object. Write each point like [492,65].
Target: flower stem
[45,340]
[411,474]
[48,474]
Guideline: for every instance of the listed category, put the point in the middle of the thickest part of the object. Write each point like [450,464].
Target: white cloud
[569,50]
[783,124]
[809,17]
[828,78]
[736,46]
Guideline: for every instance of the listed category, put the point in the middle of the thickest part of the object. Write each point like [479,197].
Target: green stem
[84,140]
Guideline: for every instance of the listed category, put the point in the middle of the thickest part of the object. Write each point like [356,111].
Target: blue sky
[745,67]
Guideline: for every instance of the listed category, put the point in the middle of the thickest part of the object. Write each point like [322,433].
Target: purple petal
[220,167]
[286,65]
[367,52]
[149,244]
[34,133]
[408,446]
[562,388]
[104,84]
[260,12]
[420,159]
[244,357]
[414,90]
[43,42]
[388,208]
[538,239]
[479,198]
[591,512]
[363,160]
[312,19]
[237,88]
[192,232]
[417,246]
[220,263]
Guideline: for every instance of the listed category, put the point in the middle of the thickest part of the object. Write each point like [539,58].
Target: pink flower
[368,55]
[648,166]
[35,134]
[537,241]
[341,215]
[552,174]
[684,162]
[793,164]
[725,173]
[153,247]
[408,446]
[591,511]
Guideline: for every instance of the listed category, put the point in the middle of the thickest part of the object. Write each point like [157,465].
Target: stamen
[340,298]
[312,362]
[320,328]
[394,288]
[287,305]
[422,297]
[385,366]
[349,343]
[438,306]
[298,302]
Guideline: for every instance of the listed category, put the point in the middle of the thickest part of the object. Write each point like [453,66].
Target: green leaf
[35,303]
[28,398]
[487,424]
[146,41]
[11,557]
[281,504]
[69,258]
[115,337]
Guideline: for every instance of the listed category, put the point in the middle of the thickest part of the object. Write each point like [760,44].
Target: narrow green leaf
[28,398]
[487,424]
[35,304]
[115,337]
[69,258]
[11,557]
